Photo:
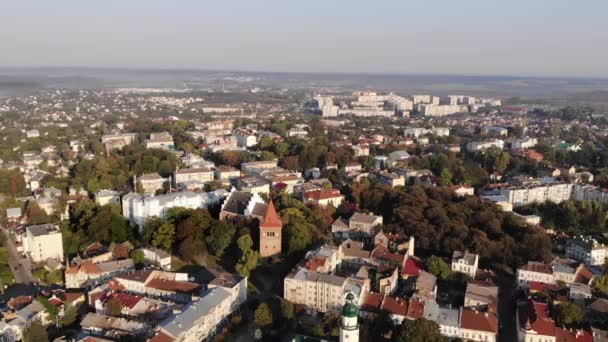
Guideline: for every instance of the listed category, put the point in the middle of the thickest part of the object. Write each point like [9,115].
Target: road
[20,266]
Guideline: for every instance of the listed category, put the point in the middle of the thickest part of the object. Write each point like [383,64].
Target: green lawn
[5,271]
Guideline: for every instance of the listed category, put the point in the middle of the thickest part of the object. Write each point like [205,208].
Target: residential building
[89,274]
[475,146]
[201,175]
[150,182]
[103,197]
[465,262]
[226,174]
[43,242]
[359,224]
[157,256]
[162,140]
[478,326]
[139,208]
[587,250]
[324,197]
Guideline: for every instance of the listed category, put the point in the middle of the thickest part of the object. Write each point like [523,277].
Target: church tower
[270,232]
[349,331]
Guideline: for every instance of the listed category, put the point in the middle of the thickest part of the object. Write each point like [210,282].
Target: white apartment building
[587,250]
[200,174]
[415,132]
[523,143]
[475,146]
[552,192]
[465,262]
[43,242]
[139,208]
[245,138]
[441,110]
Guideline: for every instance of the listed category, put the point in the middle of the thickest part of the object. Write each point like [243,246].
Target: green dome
[350,310]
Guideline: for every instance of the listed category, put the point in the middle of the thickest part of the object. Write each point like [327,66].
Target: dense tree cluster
[572,217]
[441,222]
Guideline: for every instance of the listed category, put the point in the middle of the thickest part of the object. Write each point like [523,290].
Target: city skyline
[474,38]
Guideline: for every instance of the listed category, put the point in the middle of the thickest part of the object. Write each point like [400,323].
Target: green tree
[249,258]
[568,313]
[263,315]
[70,315]
[445,178]
[35,332]
[35,214]
[287,310]
[164,236]
[382,326]
[420,330]
[138,257]
[220,236]
[150,227]
[298,235]
[437,267]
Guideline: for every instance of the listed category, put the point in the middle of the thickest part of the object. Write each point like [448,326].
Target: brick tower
[270,232]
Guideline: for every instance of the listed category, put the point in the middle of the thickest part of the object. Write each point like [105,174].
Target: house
[398,157]
[358,224]
[43,242]
[253,184]
[157,256]
[150,183]
[226,174]
[89,274]
[465,262]
[162,140]
[113,327]
[535,323]
[481,296]
[478,326]
[388,178]
[159,284]
[448,319]
[324,197]
[426,287]
[104,197]
[201,175]
[463,190]
[240,205]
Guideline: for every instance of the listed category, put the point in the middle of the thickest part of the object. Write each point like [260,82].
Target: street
[20,267]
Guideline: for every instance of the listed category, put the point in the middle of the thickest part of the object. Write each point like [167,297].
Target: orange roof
[372,302]
[323,194]
[162,337]
[172,285]
[395,305]
[271,218]
[314,263]
[480,321]
[416,309]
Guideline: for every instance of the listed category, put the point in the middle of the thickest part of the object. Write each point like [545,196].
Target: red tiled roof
[372,302]
[480,321]
[535,316]
[415,309]
[314,263]
[172,285]
[584,276]
[413,267]
[563,335]
[161,336]
[541,287]
[395,306]
[537,267]
[382,252]
[322,194]
[271,218]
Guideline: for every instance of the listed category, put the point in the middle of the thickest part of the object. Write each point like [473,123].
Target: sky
[467,37]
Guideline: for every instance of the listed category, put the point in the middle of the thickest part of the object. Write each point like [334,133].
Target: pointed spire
[271,218]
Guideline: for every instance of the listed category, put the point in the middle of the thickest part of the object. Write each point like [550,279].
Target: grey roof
[468,257]
[237,202]
[399,155]
[115,266]
[186,320]
[363,218]
[41,229]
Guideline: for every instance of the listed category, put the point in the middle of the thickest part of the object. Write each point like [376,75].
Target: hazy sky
[487,37]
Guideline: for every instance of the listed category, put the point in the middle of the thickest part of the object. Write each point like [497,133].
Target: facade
[324,197]
[104,197]
[539,193]
[162,140]
[226,174]
[587,250]
[465,262]
[478,326]
[358,224]
[245,138]
[441,110]
[43,242]
[475,146]
[270,233]
[139,208]
[201,175]
[150,183]
[89,274]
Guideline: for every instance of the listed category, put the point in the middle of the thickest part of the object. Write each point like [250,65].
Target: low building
[324,197]
[587,250]
[157,256]
[202,175]
[162,140]
[104,197]
[150,183]
[88,274]
[478,326]
[465,262]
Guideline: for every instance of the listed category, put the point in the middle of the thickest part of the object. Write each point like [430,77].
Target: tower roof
[271,218]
